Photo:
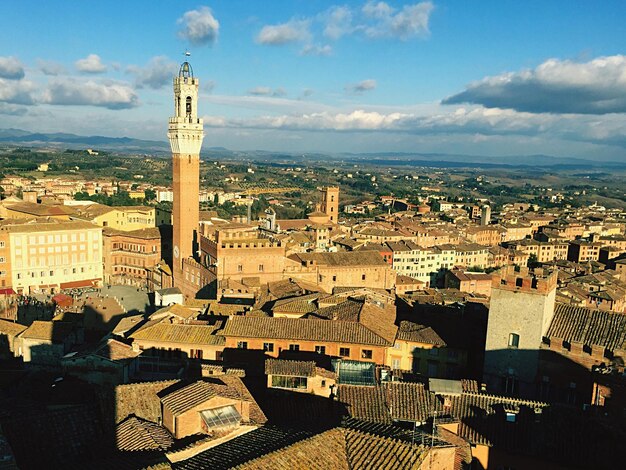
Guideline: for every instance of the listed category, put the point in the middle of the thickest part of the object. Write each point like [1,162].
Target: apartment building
[46,255]
[125,218]
[544,251]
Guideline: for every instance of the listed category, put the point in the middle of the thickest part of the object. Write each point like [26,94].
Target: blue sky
[488,77]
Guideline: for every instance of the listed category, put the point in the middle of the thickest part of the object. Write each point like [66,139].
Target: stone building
[216,407]
[349,269]
[299,376]
[474,283]
[520,312]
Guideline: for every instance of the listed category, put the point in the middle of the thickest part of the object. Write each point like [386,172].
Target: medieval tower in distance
[185,134]
[330,202]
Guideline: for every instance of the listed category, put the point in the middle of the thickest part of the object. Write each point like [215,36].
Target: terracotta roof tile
[135,434]
[336,331]
[588,326]
[180,333]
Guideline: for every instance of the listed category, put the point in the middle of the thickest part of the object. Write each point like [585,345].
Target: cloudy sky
[486,78]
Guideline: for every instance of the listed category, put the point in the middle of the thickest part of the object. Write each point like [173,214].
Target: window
[510,385]
[2,244]
[294,347]
[366,354]
[344,352]
[260,268]
[362,277]
[510,417]
[513,340]
[320,349]
[240,268]
[395,364]
[242,345]
[323,383]
[2,259]
[334,278]
[268,347]
[225,416]
[282,381]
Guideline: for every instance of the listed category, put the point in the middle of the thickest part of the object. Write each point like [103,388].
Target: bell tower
[185,134]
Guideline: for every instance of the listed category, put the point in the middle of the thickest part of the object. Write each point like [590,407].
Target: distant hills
[59,139]
[127,144]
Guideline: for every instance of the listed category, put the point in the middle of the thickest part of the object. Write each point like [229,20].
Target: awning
[7,291]
[82,283]
[63,300]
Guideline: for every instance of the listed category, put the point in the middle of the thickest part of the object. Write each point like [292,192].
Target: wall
[525,313]
[332,349]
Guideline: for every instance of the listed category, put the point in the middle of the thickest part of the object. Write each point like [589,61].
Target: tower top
[185,70]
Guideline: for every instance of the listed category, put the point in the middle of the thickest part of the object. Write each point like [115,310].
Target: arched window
[188,106]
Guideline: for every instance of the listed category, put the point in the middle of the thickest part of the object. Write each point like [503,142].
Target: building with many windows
[47,255]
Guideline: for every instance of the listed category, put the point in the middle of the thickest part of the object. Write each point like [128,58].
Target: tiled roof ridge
[151,382]
[519,401]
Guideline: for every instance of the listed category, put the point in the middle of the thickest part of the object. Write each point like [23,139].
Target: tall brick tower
[185,134]
[330,202]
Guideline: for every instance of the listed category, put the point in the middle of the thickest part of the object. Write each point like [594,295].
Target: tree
[150,194]
[532,261]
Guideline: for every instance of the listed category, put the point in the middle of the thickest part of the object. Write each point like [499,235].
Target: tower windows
[513,340]
[188,106]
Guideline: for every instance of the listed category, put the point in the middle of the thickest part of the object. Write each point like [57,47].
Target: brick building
[129,256]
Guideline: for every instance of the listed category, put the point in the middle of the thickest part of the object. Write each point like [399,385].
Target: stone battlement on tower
[537,281]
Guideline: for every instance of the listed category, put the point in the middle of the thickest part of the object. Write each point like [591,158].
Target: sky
[476,78]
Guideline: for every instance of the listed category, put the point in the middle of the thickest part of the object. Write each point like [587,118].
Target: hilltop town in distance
[190,312]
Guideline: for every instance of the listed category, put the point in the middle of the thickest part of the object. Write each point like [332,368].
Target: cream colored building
[125,218]
[47,255]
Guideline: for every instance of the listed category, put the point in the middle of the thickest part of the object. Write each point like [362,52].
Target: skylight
[221,417]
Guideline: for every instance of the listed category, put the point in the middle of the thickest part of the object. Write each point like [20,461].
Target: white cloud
[90,64]
[50,67]
[338,21]
[12,110]
[379,10]
[362,86]
[157,73]
[267,91]
[316,49]
[17,91]
[11,68]
[107,94]
[555,86]
[410,21]
[199,26]
[473,122]
[285,33]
